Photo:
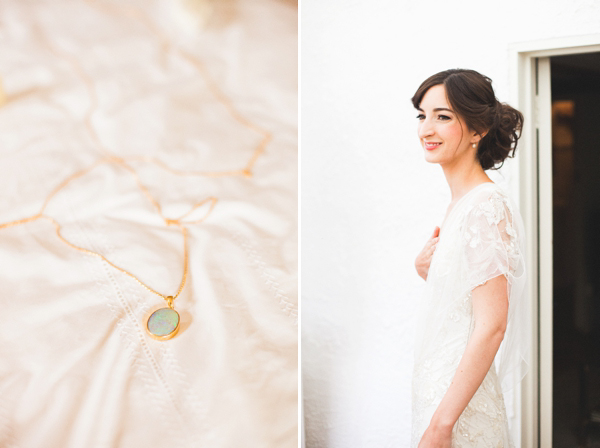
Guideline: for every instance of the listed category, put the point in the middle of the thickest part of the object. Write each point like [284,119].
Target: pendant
[163,324]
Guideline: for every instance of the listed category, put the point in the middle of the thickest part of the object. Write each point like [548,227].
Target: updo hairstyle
[472,97]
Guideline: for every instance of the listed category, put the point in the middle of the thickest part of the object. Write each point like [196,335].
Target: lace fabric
[76,366]
[483,237]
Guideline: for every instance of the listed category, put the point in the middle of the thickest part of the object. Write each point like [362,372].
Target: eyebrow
[437,109]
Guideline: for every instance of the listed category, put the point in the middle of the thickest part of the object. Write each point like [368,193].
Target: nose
[425,129]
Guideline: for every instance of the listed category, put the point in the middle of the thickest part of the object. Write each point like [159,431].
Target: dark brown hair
[472,97]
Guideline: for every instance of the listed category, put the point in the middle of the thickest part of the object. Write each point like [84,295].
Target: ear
[476,138]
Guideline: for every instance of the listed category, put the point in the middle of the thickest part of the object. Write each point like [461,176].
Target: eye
[443,117]
[421,117]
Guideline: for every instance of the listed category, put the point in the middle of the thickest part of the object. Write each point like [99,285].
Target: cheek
[453,131]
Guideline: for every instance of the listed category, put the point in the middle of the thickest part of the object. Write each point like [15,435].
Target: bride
[471,341]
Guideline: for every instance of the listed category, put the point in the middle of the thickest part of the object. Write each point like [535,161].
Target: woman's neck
[464,175]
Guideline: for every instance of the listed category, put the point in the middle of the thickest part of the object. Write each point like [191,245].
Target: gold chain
[143,17]
[121,162]
[168,221]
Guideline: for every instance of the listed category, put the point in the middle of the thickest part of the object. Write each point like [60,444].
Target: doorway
[575,93]
[555,83]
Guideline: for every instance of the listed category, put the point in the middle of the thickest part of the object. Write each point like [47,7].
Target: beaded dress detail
[481,238]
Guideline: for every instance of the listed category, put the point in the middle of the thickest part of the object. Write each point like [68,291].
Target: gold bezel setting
[161,336]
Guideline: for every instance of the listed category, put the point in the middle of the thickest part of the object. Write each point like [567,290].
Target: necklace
[163,323]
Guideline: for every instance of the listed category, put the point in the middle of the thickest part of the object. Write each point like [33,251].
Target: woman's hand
[436,438]
[424,258]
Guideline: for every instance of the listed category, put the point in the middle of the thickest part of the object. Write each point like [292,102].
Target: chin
[430,159]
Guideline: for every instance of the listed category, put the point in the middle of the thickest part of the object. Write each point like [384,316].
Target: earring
[474,145]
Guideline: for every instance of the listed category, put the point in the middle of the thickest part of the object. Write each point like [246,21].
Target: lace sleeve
[490,242]
[494,244]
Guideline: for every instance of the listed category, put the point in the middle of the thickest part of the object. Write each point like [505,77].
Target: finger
[433,241]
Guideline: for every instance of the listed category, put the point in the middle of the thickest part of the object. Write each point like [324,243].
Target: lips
[431,145]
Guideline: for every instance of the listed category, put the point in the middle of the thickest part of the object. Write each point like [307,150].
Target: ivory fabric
[481,238]
[87,79]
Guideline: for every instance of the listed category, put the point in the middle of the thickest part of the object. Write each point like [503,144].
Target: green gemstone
[163,322]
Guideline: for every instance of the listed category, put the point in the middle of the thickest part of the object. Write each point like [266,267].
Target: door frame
[529,84]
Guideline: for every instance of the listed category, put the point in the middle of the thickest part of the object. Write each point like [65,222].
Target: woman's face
[445,139]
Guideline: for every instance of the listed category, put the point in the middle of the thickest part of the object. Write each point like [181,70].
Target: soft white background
[370,201]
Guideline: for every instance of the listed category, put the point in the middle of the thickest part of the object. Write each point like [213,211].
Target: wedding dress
[482,237]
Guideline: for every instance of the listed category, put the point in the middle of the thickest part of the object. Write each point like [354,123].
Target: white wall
[370,201]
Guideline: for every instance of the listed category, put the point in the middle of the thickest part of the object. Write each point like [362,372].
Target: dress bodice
[478,241]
